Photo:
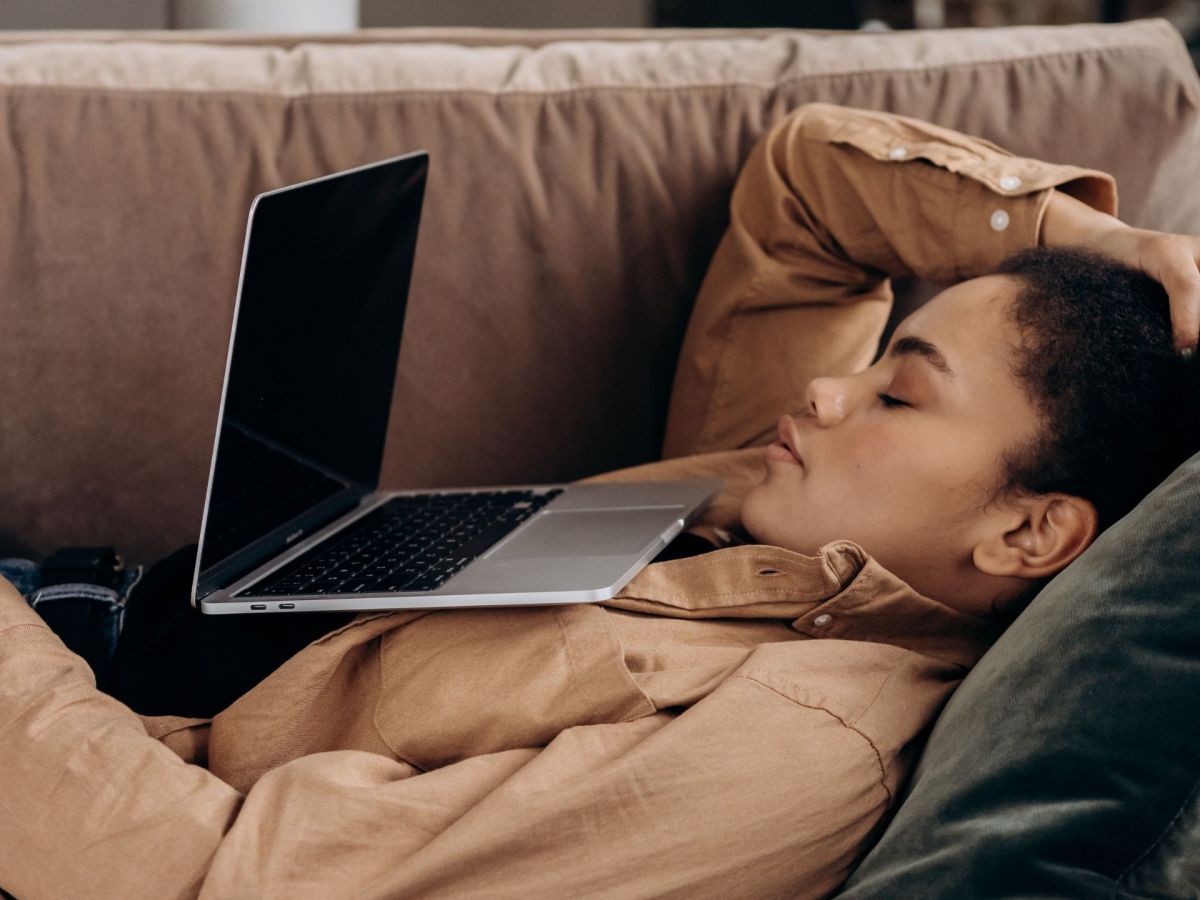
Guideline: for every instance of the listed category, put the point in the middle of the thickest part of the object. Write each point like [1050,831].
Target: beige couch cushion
[577,190]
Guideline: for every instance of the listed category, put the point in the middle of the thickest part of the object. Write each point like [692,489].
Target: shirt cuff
[999,199]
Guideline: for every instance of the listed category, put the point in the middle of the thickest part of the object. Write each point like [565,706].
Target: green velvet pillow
[1068,762]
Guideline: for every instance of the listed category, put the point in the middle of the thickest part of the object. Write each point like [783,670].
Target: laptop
[294,520]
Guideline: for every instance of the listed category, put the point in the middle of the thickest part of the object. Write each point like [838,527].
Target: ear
[1038,537]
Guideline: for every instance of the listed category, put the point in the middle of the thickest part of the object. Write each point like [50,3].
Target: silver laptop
[294,521]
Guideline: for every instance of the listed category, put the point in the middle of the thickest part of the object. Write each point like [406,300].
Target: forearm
[1171,259]
[1068,222]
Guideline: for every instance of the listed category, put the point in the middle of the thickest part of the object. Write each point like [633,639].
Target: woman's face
[902,457]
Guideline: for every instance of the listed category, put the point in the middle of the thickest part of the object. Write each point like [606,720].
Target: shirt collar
[875,605]
[841,593]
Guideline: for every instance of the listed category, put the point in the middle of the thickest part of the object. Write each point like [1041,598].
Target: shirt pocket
[461,683]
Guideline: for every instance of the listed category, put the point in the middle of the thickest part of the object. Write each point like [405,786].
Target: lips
[787,438]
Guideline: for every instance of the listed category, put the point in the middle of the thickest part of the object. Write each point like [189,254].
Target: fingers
[1179,274]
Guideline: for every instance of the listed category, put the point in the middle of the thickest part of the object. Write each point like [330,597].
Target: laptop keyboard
[410,543]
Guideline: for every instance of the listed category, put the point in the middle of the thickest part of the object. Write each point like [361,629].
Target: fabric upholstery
[1066,763]
[577,190]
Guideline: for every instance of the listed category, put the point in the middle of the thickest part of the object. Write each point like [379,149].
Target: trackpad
[618,532]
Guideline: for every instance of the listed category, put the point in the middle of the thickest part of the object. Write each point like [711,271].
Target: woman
[739,720]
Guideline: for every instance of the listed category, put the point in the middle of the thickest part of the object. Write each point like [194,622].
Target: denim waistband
[88,617]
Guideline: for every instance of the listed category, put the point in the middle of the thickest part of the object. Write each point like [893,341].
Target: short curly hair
[1097,359]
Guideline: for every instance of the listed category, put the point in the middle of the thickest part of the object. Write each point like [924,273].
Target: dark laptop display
[313,360]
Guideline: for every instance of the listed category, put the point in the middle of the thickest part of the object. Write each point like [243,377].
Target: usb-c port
[258,606]
[287,605]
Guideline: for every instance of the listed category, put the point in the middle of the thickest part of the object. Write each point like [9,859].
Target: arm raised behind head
[1171,259]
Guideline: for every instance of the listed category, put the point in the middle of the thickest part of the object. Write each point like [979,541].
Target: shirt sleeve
[747,791]
[91,804]
[830,205]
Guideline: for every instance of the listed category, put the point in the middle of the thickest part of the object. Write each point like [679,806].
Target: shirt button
[898,153]
[1010,182]
[999,220]
[822,620]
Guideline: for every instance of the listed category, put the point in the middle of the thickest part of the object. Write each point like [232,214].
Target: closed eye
[891,402]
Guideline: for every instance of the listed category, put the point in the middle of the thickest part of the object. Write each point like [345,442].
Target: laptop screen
[312,360]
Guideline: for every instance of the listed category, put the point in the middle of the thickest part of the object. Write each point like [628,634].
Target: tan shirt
[735,723]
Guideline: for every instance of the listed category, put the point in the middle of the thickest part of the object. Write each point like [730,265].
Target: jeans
[88,617]
[151,650]
[172,660]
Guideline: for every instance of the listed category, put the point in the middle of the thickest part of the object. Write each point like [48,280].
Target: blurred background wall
[498,13]
[302,15]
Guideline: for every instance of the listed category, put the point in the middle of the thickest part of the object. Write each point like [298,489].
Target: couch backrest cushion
[1068,762]
[577,190]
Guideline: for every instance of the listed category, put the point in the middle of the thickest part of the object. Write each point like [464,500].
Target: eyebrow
[915,346]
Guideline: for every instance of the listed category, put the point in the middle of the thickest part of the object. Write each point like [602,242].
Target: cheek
[926,474]
[875,451]
[896,463]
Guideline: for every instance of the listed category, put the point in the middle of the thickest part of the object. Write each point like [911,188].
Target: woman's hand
[1173,260]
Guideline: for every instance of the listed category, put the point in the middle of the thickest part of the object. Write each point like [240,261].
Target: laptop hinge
[229,570]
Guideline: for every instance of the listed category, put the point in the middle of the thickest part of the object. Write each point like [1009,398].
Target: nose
[825,400]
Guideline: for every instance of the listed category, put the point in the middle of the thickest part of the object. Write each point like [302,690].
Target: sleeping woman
[739,720]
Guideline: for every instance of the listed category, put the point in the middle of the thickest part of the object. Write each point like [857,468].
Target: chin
[767,526]
[751,515]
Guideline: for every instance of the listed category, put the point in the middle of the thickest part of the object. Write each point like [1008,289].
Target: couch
[578,186]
